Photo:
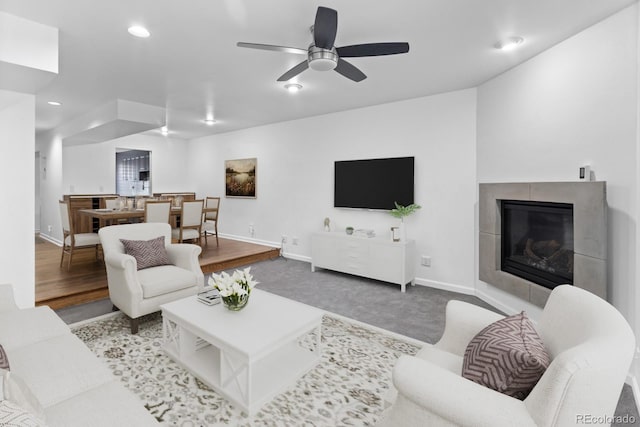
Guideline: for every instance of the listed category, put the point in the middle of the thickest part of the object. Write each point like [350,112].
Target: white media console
[375,258]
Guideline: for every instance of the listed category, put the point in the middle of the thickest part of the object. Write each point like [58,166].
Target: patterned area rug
[345,389]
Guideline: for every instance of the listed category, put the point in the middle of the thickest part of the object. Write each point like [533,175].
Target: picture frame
[241,178]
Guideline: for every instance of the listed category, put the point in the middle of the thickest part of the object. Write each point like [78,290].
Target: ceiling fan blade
[325,27]
[349,71]
[273,47]
[294,71]
[372,49]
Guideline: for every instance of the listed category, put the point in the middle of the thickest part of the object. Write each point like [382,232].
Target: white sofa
[72,385]
[591,348]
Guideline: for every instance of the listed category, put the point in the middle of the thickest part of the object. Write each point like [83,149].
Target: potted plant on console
[400,212]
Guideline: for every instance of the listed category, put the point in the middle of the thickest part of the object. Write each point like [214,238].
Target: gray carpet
[418,313]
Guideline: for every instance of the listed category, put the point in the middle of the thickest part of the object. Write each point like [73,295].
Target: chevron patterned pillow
[507,356]
[148,253]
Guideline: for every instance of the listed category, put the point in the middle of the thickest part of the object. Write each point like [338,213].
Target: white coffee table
[249,356]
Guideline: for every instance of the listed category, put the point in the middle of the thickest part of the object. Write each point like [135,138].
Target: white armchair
[591,346]
[140,292]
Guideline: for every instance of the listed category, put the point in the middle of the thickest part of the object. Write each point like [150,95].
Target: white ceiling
[191,66]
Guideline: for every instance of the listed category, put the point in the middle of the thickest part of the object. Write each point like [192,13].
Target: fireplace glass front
[537,241]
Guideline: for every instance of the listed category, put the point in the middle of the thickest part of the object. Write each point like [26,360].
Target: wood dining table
[109,216]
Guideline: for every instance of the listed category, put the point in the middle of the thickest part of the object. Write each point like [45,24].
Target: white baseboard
[496,303]
[445,286]
[251,240]
[51,239]
[288,255]
[467,291]
[297,257]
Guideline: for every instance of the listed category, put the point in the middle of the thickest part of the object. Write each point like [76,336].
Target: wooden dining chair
[114,204]
[210,218]
[71,240]
[190,222]
[157,211]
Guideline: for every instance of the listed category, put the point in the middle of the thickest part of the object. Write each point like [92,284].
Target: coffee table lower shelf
[247,383]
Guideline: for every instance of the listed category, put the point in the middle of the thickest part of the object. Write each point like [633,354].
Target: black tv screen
[373,183]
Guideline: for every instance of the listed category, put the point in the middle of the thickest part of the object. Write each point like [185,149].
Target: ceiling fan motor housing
[322,55]
[322,59]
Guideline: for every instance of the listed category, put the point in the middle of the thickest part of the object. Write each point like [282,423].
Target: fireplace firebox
[537,241]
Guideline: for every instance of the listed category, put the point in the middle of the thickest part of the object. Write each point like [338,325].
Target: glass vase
[235,302]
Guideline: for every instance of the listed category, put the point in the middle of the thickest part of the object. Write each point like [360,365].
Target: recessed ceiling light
[164,130]
[293,87]
[55,103]
[210,122]
[139,31]
[509,43]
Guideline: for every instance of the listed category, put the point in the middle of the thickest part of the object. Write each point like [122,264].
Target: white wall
[572,105]
[49,145]
[17,145]
[36,176]
[295,177]
[90,169]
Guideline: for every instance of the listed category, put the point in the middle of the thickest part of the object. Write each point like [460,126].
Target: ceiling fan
[323,55]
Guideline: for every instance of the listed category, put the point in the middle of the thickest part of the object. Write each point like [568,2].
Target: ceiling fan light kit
[323,55]
[322,59]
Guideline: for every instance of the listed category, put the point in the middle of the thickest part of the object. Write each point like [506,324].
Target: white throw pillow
[16,391]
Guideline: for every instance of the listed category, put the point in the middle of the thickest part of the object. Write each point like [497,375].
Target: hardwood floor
[87,280]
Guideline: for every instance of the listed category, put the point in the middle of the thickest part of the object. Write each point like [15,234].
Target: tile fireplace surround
[590,234]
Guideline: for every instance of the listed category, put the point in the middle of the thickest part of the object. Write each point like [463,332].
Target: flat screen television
[373,183]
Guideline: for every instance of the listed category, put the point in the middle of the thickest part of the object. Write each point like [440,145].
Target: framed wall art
[240,178]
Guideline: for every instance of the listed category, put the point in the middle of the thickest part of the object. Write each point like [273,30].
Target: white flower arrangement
[234,289]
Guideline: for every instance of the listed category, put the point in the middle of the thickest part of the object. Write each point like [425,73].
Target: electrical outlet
[49,228]
[294,240]
[284,239]
[425,261]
